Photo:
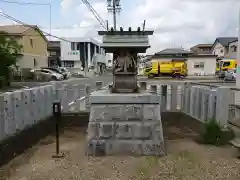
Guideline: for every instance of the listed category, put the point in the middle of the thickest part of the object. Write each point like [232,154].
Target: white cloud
[176,22]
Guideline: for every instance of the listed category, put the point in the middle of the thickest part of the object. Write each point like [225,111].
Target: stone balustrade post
[143,85]
[225,97]
[87,97]
[173,91]
[153,89]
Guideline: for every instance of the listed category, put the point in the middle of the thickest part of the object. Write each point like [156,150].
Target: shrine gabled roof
[124,44]
[140,33]
[125,41]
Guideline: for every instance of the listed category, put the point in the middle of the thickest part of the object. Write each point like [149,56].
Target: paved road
[80,82]
[207,81]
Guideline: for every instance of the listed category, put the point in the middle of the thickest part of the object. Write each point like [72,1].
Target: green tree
[10,50]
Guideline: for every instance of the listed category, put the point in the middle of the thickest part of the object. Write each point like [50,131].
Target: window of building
[73,53]
[234,48]
[73,46]
[68,64]
[34,62]
[221,51]
[78,46]
[53,53]
[31,42]
[199,65]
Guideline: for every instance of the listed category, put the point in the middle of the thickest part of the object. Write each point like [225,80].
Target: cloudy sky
[177,23]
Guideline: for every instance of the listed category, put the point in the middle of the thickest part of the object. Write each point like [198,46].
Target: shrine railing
[201,101]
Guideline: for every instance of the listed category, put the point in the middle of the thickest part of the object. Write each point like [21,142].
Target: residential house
[34,51]
[198,64]
[54,52]
[232,50]
[220,47]
[202,49]
[169,54]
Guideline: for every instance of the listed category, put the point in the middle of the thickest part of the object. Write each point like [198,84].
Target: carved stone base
[127,124]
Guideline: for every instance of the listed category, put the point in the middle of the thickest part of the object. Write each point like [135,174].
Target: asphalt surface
[70,85]
[202,80]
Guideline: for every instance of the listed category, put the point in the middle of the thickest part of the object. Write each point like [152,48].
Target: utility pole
[114,6]
[85,59]
[238,54]
[114,16]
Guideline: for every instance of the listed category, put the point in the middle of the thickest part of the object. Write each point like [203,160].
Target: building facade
[54,53]
[197,63]
[34,43]
[221,46]
[202,49]
[78,53]
[201,65]
[232,50]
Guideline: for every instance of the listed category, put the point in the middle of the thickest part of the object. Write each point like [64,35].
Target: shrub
[212,133]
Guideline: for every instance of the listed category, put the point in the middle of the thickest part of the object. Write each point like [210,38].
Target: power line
[31,26]
[24,3]
[35,4]
[67,27]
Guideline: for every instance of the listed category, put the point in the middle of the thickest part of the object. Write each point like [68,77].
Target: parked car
[230,75]
[65,72]
[48,73]
[57,70]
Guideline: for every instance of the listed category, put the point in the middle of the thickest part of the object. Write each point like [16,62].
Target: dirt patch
[185,160]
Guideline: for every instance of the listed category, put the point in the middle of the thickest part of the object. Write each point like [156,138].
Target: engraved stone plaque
[133,112]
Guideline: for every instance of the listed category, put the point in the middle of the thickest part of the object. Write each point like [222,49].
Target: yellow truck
[169,68]
[225,65]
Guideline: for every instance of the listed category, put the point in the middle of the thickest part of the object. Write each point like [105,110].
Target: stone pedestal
[127,124]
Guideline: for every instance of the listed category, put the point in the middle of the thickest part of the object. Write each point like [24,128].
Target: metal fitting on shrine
[110,86]
[99,85]
[143,85]
[153,89]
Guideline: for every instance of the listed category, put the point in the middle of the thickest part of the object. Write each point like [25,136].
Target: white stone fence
[23,108]
[26,107]
[201,101]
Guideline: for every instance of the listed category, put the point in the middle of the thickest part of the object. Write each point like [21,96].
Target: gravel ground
[185,160]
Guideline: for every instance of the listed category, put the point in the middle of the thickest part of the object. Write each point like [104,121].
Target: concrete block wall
[134,129]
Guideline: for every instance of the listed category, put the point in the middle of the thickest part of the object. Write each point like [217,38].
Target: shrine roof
[111,33]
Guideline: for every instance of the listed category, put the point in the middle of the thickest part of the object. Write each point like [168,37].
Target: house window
[53,53]
[31,42]
[72,53]
[199,65]
[221,51]
[73,46]
[234,48]
[34,62]
[78,46]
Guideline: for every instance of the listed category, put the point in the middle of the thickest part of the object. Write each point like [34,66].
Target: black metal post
[57,117]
